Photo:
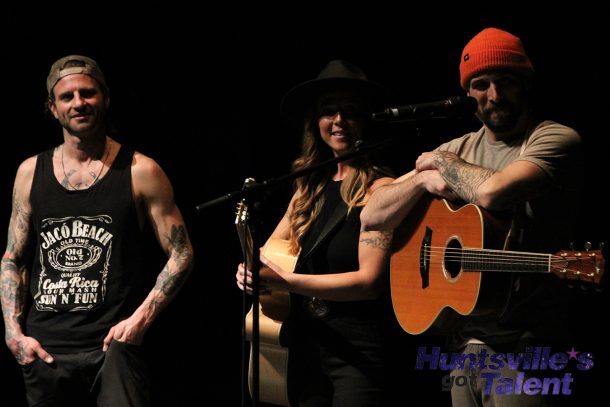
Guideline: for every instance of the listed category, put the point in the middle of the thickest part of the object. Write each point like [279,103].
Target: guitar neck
[485,260]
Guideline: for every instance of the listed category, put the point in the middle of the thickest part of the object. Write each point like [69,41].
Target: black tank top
[338,252]
[87,269]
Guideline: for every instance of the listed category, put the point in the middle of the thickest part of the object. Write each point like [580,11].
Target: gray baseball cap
[74,64]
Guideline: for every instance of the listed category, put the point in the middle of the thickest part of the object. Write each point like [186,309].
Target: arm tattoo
[378,240]
[169,283]
[13,285]
[178,243]
[13,291]
[463,178]
[19,225]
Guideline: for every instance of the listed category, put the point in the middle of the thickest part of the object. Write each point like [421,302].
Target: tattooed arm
[485,187]
[365,283]
[14,271]
[462,177]
[391,203]
[154,190]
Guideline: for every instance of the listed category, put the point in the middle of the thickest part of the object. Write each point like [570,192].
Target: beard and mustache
[501,117]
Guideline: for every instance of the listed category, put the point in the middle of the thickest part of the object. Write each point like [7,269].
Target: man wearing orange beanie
[530,169]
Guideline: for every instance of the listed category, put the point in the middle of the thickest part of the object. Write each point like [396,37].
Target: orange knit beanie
[493,49]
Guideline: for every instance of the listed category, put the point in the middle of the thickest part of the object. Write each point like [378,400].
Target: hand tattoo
[462,177]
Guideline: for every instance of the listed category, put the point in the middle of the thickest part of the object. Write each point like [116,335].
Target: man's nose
[493,92]
[79,101]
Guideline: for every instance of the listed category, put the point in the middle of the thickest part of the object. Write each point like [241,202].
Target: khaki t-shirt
[545,224]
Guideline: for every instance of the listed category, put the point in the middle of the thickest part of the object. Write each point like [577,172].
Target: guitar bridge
[424,258]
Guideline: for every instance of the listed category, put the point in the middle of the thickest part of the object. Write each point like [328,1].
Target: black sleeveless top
[338,252]
[87,269]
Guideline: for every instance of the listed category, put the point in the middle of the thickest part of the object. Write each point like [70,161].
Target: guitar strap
[515,234]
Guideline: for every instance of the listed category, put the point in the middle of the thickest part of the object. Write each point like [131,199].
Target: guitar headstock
[242,215]
[584,266]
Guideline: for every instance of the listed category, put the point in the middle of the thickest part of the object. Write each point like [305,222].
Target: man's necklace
[97,177]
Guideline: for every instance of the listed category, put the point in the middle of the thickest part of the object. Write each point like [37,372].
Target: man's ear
[52,108]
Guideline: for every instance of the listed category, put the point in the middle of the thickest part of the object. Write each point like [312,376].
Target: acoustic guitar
[274,309]
[453,261]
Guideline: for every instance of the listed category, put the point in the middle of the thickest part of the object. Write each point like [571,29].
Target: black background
[198,89]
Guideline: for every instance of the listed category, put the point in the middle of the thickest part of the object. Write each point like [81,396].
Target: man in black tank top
[81,207]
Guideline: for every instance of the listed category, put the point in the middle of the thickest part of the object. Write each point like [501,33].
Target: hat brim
[299,100]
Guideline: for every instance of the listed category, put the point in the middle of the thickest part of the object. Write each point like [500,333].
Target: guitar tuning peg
[587,246]
[572,246]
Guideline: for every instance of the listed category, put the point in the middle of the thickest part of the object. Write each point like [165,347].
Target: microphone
[451,107]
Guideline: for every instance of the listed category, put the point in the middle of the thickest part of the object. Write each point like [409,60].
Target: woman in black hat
[341,275]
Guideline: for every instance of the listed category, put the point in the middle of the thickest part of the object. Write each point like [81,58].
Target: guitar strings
[502,257]
[506,259]
[498,254]
[516,265]
[493,251]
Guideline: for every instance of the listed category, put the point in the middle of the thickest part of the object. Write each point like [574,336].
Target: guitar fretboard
[497,260]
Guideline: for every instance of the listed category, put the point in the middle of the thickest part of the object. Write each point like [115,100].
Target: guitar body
[273,312]
[428,286]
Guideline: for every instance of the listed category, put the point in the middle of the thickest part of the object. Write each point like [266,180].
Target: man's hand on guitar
[434,183]
[431,178]
[426,161]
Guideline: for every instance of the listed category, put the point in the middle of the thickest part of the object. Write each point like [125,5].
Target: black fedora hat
[336,75]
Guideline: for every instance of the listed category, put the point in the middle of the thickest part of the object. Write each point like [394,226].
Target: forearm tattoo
[378,240]
[10,293]
[463,178]
[13,287]
[169,281]
[179,244]
[13,292]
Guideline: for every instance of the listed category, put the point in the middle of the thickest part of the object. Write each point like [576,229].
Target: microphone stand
[360,149]
[252,194]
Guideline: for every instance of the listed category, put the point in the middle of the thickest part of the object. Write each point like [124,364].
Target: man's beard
[501,118]
[94,125]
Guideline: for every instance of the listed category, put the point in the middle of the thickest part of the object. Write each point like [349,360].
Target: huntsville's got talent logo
[485,366]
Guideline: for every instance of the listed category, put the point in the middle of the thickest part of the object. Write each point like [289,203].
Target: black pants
[338,362]
[116,378]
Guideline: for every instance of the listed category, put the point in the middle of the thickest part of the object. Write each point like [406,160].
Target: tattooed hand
[461,177]
[27,349]
[427,161]
[435,184]
[130,330]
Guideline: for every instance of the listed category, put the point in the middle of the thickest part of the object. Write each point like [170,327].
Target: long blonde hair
[310,188]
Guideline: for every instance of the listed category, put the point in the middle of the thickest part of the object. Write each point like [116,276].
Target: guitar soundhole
[453,258]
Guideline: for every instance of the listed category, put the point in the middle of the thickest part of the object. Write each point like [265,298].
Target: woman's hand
[244,280]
